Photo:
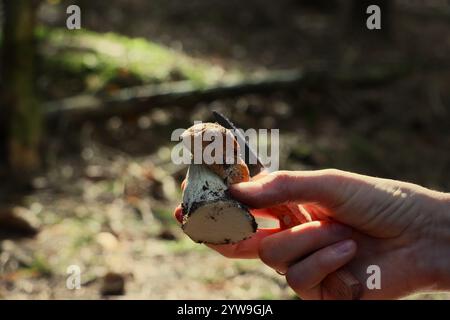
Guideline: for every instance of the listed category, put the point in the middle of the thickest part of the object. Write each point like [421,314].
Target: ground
[106,198]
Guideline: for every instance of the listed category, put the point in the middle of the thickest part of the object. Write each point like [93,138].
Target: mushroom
[210,214]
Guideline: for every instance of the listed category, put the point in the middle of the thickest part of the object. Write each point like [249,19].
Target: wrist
[439,244]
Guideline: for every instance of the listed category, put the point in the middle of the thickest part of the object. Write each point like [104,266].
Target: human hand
[395,225]
[247,249]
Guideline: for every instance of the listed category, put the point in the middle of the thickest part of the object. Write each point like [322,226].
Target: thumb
[326,187]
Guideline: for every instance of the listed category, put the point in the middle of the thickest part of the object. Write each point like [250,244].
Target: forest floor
[105,201]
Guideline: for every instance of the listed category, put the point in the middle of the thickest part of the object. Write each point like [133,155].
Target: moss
[268,295]
[108,60]
[185,245]
[40,266]
[165,216]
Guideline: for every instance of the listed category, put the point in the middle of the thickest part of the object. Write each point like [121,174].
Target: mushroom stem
[210,215]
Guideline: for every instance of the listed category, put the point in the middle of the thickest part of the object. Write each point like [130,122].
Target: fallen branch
[137,100]
[141,99]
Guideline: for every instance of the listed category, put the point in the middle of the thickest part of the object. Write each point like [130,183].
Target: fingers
[260,175]
[305,276]
[323,186]
[246,249]
[178,214]
[281,250]
[290,215]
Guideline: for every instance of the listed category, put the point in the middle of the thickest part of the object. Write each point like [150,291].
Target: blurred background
[86,116]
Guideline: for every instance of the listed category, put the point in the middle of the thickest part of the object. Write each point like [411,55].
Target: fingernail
[281,273]
[179,215]
[344,247]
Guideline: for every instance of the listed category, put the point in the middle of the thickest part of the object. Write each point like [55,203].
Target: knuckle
[295,280]
[334,175]
[332,172]
[265,251]
[280,177]
[337,178]
[280,181]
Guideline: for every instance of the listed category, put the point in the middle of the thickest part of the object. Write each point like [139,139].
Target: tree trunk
[21,116]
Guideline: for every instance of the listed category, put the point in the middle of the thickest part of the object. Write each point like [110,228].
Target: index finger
[245,249]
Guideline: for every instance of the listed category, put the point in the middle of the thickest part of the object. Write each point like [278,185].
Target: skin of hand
[352,220]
